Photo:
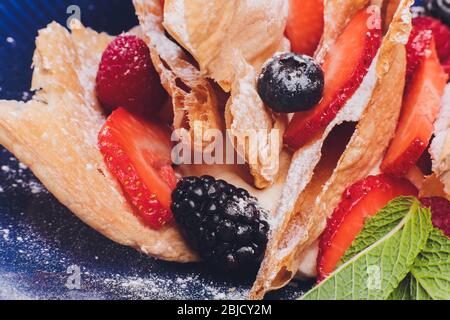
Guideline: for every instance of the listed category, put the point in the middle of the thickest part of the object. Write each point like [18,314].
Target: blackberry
[222,222]
[291,83]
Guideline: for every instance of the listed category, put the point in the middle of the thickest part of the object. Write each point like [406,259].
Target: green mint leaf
[410,289]
[376,271]
[431,268]
[378,226]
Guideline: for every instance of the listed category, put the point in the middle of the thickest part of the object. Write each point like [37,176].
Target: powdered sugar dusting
[16,176]
[149,288]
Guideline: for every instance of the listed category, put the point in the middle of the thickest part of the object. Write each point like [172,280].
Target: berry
[305,25]
[440,212]
[420,106]
[345,67]
[439,9]
[362,200]
[138,154]
[224,223]
[418,44]
[291,83]
[441,34]
[126,78]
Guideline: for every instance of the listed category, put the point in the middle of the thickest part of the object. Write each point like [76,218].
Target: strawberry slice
[345,67]
[362,200]
[420,109]
[305,25]
[441,34]
[424,29]
[138,154]
[418,44]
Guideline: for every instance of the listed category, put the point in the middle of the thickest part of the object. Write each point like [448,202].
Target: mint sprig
[374,272]
[429,278]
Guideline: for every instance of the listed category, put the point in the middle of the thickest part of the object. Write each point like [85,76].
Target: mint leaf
[410,289]
[376,271]
[379,225]
[431,268]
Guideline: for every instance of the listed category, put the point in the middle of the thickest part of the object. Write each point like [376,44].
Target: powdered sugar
[5,234]
[16,177]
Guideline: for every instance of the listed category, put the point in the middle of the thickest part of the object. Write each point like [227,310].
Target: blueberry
[291,83]
[439,9]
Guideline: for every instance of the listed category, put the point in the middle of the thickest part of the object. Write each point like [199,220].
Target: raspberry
[440,212]
[126,78]
[225,224]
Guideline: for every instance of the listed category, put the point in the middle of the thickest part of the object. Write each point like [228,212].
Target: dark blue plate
[42,245]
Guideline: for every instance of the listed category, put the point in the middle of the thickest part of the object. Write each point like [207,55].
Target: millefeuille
[209,56]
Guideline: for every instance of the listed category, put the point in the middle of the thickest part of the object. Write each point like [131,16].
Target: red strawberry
[440,211]
[305,25]
[345,66]
[138,154]
[418,44]
[127,78]
[441,34]
[420,109]
[362,200]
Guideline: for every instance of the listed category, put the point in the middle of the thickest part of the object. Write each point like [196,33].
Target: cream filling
[441,143]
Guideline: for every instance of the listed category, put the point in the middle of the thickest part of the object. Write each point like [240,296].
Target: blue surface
[39,238]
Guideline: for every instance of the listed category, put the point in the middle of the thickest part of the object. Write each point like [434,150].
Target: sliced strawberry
[420,109]
[138,154]
[345,67]
[418,44]
[424,28]
[305,25]
[440,212]
[441,34]
[362,200]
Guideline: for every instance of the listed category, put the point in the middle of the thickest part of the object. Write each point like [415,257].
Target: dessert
[219,132]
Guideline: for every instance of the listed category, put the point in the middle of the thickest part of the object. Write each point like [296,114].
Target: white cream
[442,128]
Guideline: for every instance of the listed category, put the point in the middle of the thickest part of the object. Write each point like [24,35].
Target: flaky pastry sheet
[212,30]
[55,135]
[193,97]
